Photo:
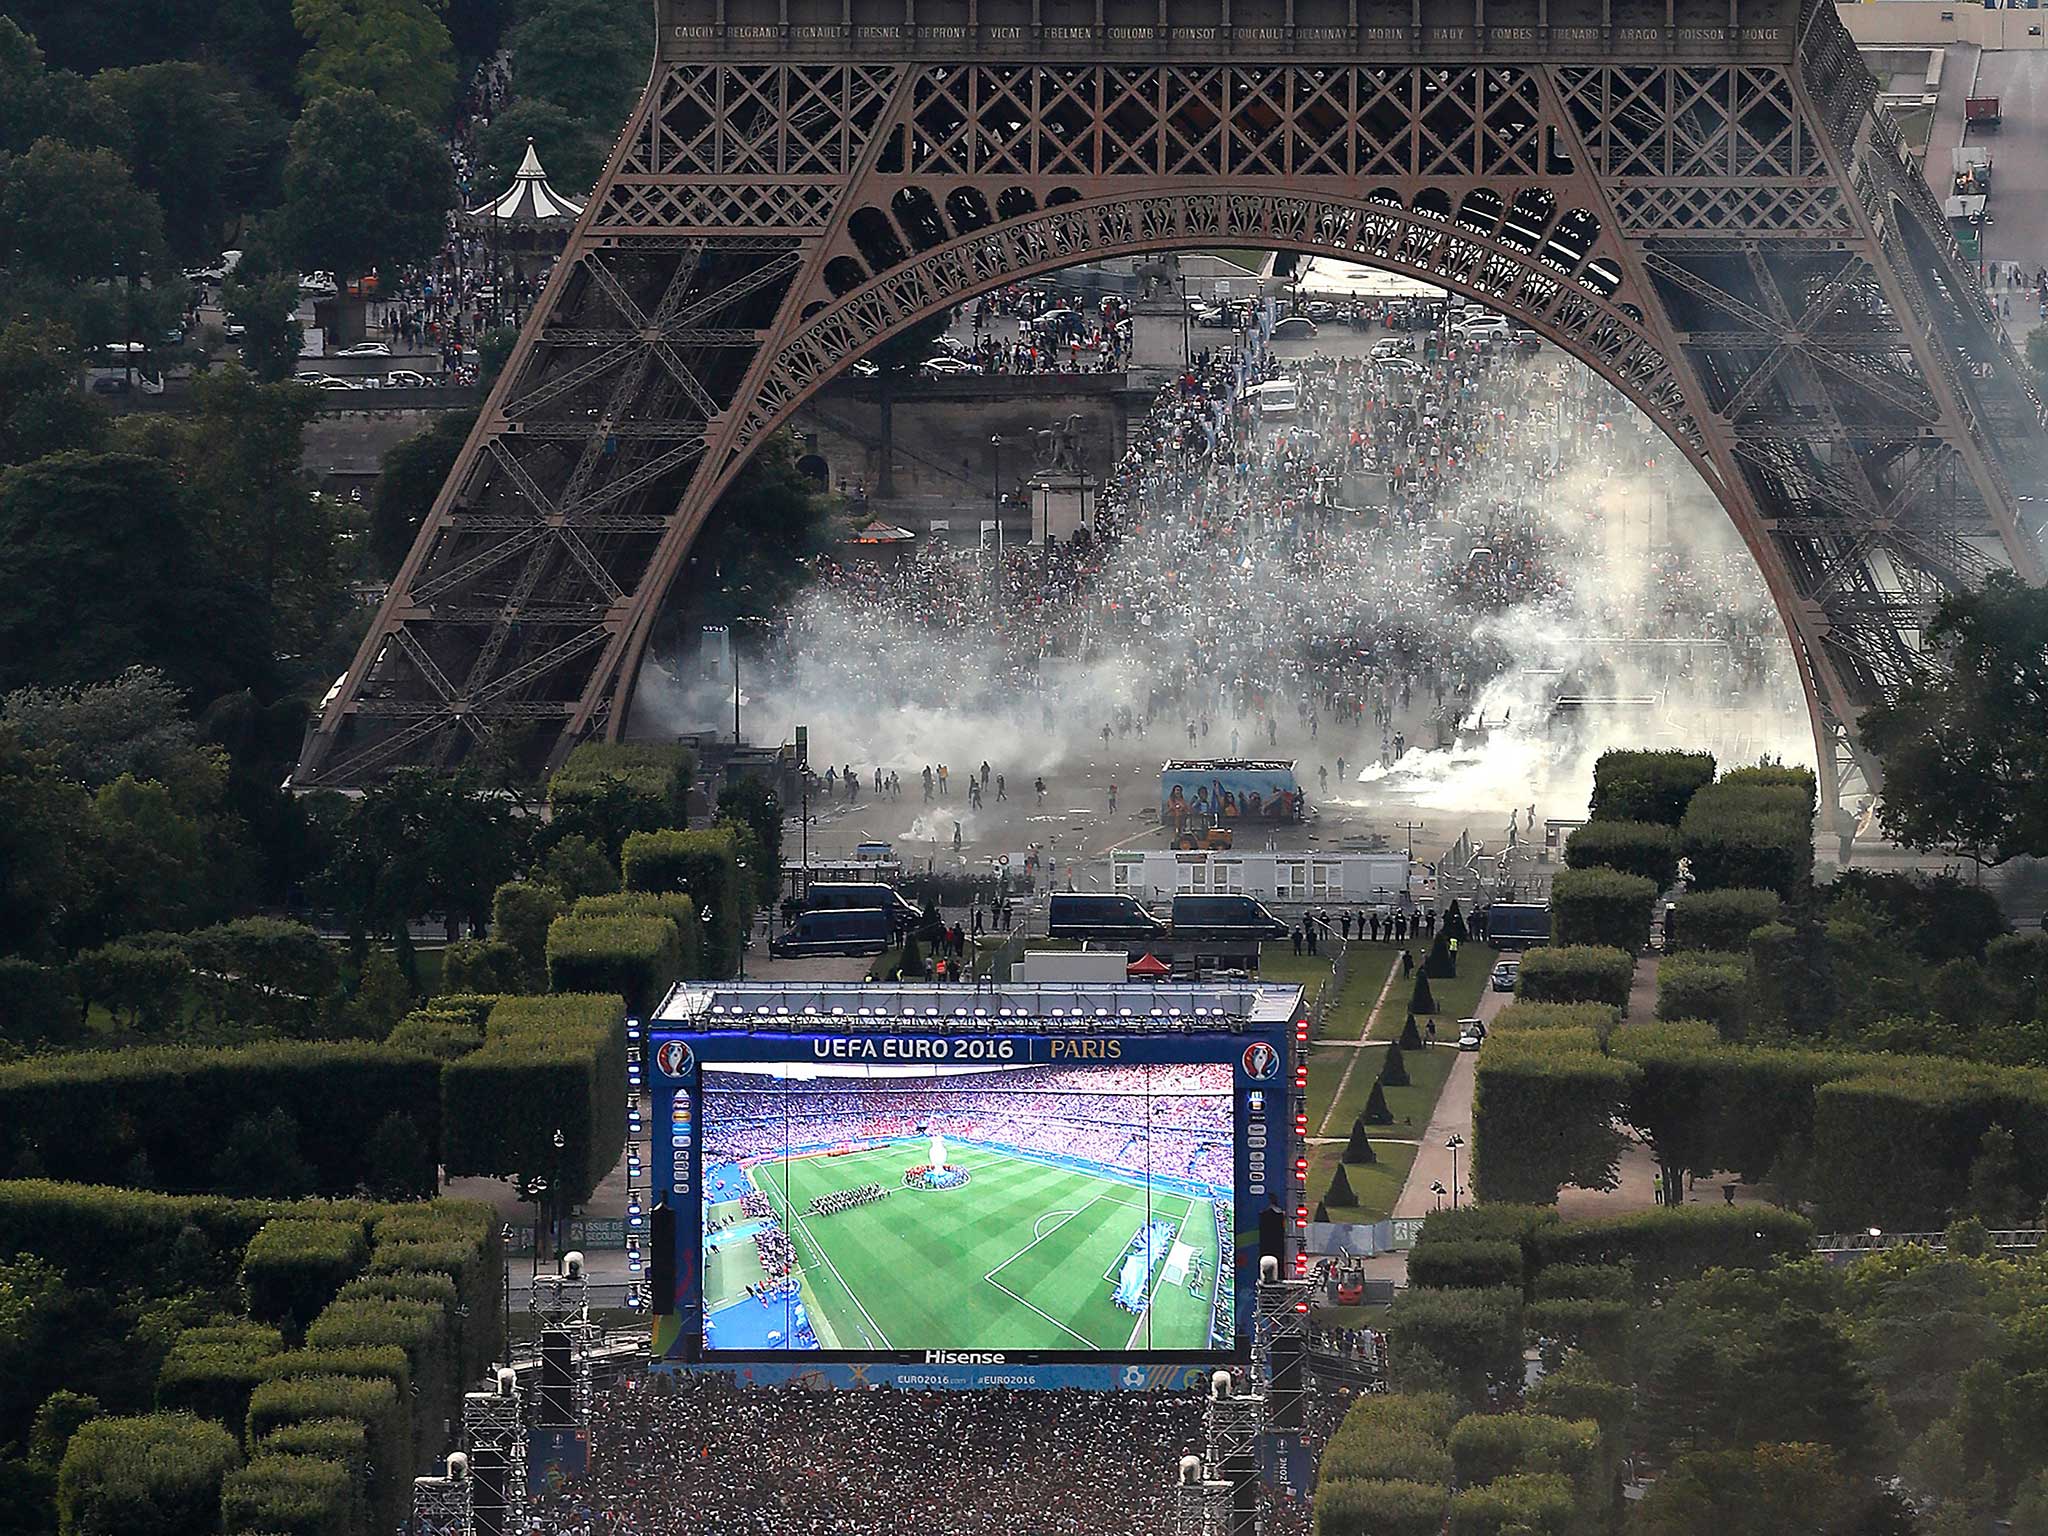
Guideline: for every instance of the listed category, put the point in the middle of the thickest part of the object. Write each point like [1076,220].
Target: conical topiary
[913,964]
[1339,1192]
[1322,1212]
[1454,924]
[1376,1111]
[1441,961]
[1411,1037]
[1359,1148]
[1422,1000]
[1394,1070]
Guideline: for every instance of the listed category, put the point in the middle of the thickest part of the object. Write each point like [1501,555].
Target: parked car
[365,349]
[859,931]
[1481,327]
[1391,347]
[1295,328]
[1504,975]
[945,368]
[1217,319]
[1471,1034]
[407,378]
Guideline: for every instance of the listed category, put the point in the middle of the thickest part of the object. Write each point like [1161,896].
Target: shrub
[1359,1148]
[1494,1221]
[1577,1390]
[1589,1282]
[1398,1452]
[1720,920]
[1544,1113]
[290,1496]
[294,1267]
[705,867]
[85,1114]
[546,1063]
[1390,1508]
[1528,1504]
[673,905]
[1422,999]
[1394,1067]
[1648,849]
[1601,906]
[648,781]
[373,1402]
[264,971]
[1576,974]
[1487,1447]
[210,1372]
[1708,986]
[1411,1037]
[470,1257]
[444,1027]
[157,1474]
[1466,1265]
[1339,1193]
[39,1003]
[422,1330]
[636,957]
[1752,836]
[484,965]
[1675,1242]
[1470,1339]
[1376,1111]
[520,914]
[1648,786]
[368,1362]
[1597,1019]
[1597,1325]
[342,1440]
[1441,960]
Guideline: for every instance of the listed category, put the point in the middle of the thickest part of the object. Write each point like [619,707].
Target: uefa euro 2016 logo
[672,1057]
[1261,1061]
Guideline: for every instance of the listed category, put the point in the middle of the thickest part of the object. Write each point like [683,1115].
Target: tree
[411,477]
[42,409]
[754,805]
[261,1157]
[267,310]
[1376,1111]
[136,725]
[105,565]
[397,50]
[1394,1070]
[757,546]
[45,825]
[1997,1197]
[576,866]
[37,103]
[366,187]
[397,1151]
[571,146]
[1963,745]
[585,56]
[80,235]
[203,145]
[1769,1490]
[383,996]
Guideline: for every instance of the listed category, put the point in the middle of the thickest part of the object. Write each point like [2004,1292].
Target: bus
[118,367]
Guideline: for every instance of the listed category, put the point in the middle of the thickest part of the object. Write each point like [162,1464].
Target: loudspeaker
[1273,1236]
[1241,1471]
[555,1405]
[661,1259]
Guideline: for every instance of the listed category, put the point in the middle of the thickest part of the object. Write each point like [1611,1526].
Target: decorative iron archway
[1698,198]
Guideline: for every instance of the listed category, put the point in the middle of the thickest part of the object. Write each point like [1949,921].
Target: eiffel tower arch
[1699,199]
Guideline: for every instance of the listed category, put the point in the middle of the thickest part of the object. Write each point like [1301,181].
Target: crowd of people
[1341,581]
[710,1457]
[836,1200]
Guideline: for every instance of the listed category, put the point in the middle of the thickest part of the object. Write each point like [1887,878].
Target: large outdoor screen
[896,1208]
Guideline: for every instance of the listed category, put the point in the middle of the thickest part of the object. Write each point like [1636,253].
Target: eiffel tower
[1699,199]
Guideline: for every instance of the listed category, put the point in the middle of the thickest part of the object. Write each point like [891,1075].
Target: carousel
[526,226]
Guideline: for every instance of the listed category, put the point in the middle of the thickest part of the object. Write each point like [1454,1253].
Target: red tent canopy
[1148,965]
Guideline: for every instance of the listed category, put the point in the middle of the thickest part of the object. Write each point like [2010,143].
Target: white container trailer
[1335,879]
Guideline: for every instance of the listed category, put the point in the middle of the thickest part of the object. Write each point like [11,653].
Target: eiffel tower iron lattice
[1700,199]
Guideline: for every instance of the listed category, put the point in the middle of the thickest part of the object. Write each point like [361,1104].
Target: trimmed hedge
[1753,836]
[83,1116]
[1648,786]
[1705,985]
[520,914]
[484,965]
[673,905]
[1486,1447]
[375,1403]
[1576,973]
[1529,1504]
[1601,906]
[1600,1019]
[1584,1282]
[294,1267]
[422,1329]
[1599,1326]
[1719,920]
[283,1495]
[1676,1242]
[371,1362]
[637,957]
[441,1033]
[210,1372]
[546,1063]
[1466,1265]
[1397,1452]
[1645,848]
[705,867]
[155,1474]
[1471,1340]
[652,777]
[1544,1108]
[342,1440]
[1380,1508]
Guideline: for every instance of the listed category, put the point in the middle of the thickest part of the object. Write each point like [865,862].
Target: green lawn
[1377,1185]
[1457,997]
[1363,978]
[1024,1256]
[1411,1105]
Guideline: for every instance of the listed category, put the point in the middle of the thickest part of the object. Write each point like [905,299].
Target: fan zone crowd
[1254,577]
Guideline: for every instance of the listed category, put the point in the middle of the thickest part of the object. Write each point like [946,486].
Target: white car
[1476,327]
[334,381]
[365,349]
[1471,1034]
[406,378]
[945,368]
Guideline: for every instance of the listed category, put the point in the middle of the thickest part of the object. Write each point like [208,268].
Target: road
[2019,171]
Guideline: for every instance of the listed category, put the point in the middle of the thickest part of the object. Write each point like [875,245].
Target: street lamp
[555,1197]
[1453,1144]
[1439,1191]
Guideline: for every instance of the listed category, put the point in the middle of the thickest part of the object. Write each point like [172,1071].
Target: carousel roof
[530,199]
